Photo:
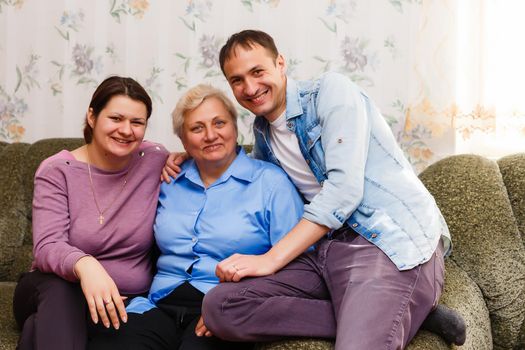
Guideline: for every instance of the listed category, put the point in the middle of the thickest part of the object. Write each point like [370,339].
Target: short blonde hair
[193,99]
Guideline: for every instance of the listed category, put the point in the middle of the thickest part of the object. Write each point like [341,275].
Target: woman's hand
[295,242]
[238,266]
[101,293]
[201,330]
[172,166]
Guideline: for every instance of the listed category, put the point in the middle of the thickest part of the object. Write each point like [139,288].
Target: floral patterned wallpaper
[54,53]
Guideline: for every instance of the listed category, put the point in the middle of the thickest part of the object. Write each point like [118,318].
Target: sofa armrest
[463,295]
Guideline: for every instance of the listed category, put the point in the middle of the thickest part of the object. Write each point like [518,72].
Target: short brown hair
[247,39]
[193,99]
[115,86]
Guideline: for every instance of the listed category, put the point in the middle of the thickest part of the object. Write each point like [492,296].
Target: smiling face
[257,80]
[209,135]
[118,129]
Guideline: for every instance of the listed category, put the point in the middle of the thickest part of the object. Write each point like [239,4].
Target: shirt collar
[241,168]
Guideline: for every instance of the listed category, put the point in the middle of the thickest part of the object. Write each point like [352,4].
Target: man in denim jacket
[377,268]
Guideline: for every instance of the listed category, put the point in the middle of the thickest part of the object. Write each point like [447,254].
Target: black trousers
[170,326]
[51,312]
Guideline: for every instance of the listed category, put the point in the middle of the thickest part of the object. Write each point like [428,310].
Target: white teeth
[259,98]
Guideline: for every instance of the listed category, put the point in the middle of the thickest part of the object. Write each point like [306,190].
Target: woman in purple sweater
[93,213]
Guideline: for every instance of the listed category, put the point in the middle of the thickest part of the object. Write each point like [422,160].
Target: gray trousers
[346,289]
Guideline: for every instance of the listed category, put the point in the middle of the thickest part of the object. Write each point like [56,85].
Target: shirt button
[308,161]
[141,153]
[194,239]
[339,140]
[309,142]
[289,125]
[374,235]
[157,148]
[354,225]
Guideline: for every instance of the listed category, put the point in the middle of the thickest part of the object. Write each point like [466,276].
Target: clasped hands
[238,266]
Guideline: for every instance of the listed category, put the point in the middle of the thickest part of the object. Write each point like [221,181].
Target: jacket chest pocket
[315,148]
[313,136]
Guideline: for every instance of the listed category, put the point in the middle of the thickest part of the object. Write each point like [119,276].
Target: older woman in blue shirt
[221,203]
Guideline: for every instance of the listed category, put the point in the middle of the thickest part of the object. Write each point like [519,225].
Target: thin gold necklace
[101,212]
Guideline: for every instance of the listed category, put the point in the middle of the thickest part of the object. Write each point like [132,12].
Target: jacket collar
[293,99]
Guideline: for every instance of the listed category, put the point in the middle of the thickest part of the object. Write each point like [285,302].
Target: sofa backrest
[20,161]
[513,172]
[13,217]
[482,201]
[481,208]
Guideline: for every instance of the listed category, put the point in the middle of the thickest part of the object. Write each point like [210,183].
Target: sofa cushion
[8,330]
[487,245]
[425,340]
[297,344]
[13,217]
[463,295]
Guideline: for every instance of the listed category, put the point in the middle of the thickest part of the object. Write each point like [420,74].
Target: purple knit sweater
[66,221]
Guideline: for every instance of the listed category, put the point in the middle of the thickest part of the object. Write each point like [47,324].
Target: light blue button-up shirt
[247,210]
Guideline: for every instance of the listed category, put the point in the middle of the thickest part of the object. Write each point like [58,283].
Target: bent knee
[212,306]
[60,286]
[218,313]
[57,292]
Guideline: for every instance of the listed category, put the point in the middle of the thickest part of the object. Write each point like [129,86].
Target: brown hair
[247,39]
[115,86]
[193,98]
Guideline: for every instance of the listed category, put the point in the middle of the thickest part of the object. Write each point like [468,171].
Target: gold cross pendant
[101,219]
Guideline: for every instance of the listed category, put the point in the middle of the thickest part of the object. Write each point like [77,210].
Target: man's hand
[201,330]
[101,293]
[172,166]
[238,266]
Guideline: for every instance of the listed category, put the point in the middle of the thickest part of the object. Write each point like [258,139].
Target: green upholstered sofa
[483,202]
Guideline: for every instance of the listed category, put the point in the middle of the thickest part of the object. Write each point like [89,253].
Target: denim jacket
[367,183]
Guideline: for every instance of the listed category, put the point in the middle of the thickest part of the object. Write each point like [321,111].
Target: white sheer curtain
[445,73]
[490,77]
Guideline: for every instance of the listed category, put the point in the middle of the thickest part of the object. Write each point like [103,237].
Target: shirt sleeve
[51,222]
[345,134]
[284,208]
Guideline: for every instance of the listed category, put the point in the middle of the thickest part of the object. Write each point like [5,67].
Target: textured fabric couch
[483,202]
